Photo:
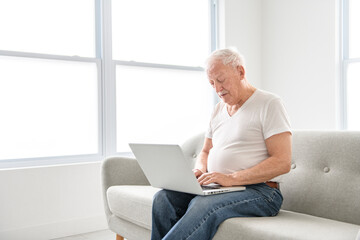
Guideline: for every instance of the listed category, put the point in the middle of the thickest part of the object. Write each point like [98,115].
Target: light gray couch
[321,193]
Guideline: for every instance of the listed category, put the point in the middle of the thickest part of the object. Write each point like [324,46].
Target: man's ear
[241,71]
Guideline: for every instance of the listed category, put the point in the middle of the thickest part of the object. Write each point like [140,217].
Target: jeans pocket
[272,197]
[275,201]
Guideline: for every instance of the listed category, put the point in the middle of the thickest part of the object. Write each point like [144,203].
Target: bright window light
[59,27]
[160,105]
[48,108]
[161,31]
[354,29]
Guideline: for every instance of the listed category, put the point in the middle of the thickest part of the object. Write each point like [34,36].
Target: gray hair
[228,56]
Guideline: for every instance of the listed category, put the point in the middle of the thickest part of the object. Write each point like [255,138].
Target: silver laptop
[165,166]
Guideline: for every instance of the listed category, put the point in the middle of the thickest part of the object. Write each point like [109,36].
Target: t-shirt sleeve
[276,119]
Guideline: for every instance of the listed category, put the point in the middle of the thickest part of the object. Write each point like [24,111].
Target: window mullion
[214,24]
[108,81]
[345,29]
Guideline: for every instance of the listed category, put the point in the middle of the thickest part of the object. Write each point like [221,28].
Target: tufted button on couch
[321,193]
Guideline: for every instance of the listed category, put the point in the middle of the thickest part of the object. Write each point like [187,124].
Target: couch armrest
[120,171]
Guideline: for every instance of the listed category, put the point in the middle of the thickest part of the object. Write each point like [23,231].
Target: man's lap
[187,216]
[256,200]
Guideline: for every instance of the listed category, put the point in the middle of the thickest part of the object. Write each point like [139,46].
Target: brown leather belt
[273,184]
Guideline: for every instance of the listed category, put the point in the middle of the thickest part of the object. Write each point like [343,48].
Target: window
[160,105]
[161,31]
[60,27]
[49,82]
[162,94]
[80,87]
[351,64]
[48,108]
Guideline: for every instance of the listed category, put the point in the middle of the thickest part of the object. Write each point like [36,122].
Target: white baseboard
[56,230]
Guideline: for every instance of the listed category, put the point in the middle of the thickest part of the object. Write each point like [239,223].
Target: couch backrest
[324,179]
[193,146]
[325,175]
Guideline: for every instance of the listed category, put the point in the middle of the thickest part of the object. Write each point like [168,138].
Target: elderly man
[248,142]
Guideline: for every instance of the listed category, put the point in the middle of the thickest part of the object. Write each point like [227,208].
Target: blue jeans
[177,215]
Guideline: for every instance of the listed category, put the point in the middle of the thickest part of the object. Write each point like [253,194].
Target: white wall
[291,50]
[299,59]
[50,202]
[240,27]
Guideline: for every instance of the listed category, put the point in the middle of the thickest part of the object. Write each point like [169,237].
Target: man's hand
[225,180]
[197,172]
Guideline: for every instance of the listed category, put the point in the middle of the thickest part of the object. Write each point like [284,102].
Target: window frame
[345,61]
[106,87]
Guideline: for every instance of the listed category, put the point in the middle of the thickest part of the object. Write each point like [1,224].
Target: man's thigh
[256,200]
[179,201]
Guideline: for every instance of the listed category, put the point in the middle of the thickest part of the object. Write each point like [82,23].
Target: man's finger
[205,179]
[197,173]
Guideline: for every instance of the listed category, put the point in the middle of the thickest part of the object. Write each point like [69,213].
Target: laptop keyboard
[210,187]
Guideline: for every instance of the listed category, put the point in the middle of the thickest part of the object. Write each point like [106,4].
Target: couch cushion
[132,203]
[286,226]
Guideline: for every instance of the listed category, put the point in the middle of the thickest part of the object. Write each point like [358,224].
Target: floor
[98,235]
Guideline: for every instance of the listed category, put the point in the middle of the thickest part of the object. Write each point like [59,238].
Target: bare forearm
[201,161]
[264,171]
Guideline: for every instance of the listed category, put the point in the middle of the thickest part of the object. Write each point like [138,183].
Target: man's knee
[164,196]
[173,199]
[160,197]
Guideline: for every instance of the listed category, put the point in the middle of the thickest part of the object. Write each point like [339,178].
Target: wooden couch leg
[118,237]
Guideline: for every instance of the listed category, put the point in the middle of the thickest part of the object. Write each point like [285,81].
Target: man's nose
[218,87]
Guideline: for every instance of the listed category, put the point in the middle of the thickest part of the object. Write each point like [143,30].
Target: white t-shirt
[239,140]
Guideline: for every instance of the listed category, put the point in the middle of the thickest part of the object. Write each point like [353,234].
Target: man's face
[226,80]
